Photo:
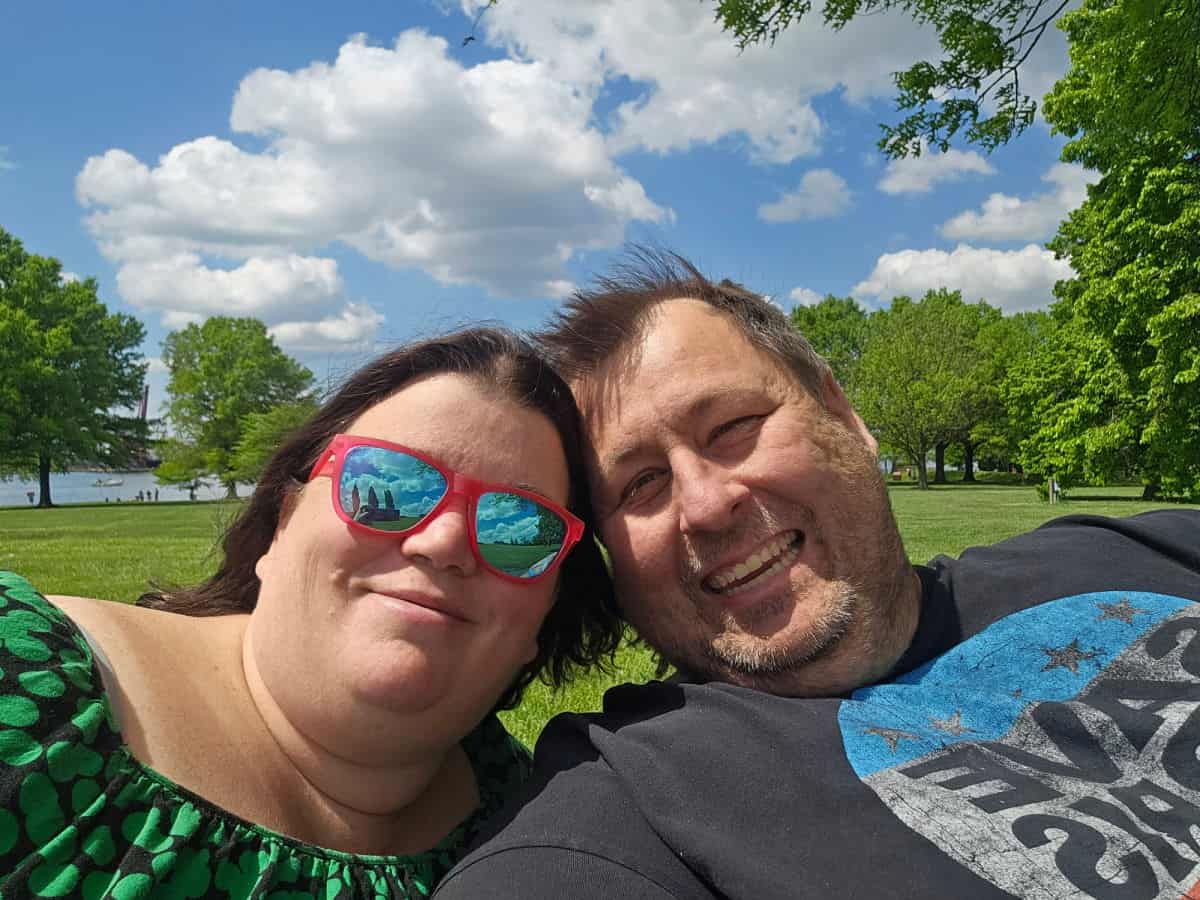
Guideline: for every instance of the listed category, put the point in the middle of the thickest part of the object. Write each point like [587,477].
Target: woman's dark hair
[581,629]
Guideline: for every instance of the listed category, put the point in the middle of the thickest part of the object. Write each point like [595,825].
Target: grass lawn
[114,552]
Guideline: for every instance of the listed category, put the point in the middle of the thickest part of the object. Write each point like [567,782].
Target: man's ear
[835,400]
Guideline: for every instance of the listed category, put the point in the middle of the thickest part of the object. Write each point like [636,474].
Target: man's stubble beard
[735,653]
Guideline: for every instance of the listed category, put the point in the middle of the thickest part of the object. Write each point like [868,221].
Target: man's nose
[708,495]
[445,541]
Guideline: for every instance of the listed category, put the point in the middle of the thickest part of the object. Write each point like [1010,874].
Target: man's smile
[775,555]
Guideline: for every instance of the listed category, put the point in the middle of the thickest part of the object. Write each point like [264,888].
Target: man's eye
[735,427]
[640,486]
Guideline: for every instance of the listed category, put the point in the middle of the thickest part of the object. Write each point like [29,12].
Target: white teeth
[781,550]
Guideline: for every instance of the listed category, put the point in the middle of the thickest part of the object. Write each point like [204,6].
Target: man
[1022,721]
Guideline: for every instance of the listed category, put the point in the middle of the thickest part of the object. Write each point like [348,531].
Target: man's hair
[581,628]
[610,315]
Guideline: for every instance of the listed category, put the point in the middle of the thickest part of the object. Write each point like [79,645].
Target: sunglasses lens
[387,490]
[517,535]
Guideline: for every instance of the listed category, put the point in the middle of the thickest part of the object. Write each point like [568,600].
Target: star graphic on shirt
[893,736]
[1125,611]
[1068,657]
[952,725]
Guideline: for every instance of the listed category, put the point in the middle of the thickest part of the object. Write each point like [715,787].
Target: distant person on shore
[318,718]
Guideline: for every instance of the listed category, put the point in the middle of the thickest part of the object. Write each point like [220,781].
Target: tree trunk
[231,490]
[1150,490]
[922,473]
[44,481]
[968,462]
[939,462]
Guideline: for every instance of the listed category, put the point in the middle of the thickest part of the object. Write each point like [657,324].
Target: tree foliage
[262,433]
[1133,86]
[915,372]
[182,465]
[973,90]
[1130,103]
[1072,406]
[67,366]
[220,372]
[836,328]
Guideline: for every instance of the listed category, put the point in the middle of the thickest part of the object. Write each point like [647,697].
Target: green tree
[995,343]
[262,433]
[219,373]
[1072,405]
[1132,111]
[550,528]
[836,328]
[1003,346]
[915,369]
[67,366]
[183,465]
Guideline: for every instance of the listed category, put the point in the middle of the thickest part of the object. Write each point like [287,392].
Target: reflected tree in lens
[410,488]
[515,534]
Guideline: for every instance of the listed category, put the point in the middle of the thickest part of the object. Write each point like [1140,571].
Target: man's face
[749,526]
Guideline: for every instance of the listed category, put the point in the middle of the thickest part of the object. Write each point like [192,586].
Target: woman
[318,721]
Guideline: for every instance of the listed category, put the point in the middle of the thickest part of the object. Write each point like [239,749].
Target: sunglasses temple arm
[324,465]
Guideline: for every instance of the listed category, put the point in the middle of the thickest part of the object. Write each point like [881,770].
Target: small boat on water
[108,482]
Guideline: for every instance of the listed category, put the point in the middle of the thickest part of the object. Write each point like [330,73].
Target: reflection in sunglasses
[389,489]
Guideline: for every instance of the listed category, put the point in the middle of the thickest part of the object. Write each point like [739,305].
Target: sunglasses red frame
[457,484]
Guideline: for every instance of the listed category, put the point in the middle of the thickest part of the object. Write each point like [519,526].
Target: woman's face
[410,624]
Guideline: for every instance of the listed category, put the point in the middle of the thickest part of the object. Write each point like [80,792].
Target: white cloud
[822,194]
[919,174]
[155,365]
[523,531]
[1006,218]
[270,288]
[65,277]
[802,296]
[1011,279]
[5,160]
[692,84]
[354,327]
[492,175]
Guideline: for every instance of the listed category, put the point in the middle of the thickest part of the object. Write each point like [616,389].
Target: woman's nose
[445,540]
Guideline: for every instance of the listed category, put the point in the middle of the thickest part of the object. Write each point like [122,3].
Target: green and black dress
[80,817]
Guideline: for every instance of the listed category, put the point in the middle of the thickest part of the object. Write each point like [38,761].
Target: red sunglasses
[385,488]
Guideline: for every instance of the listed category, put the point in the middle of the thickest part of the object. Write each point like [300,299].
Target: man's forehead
[687,359]
[601,393]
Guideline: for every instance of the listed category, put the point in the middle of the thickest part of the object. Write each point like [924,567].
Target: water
[80,487]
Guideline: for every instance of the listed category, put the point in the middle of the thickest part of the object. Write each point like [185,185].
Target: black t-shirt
[1038,739]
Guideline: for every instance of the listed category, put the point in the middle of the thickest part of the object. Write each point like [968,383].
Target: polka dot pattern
[80,817]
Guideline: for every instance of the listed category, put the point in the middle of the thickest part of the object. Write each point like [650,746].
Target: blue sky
[355,176]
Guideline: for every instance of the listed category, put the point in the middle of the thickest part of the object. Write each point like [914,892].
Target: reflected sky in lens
[516,534]
[512,519]
[389,481]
